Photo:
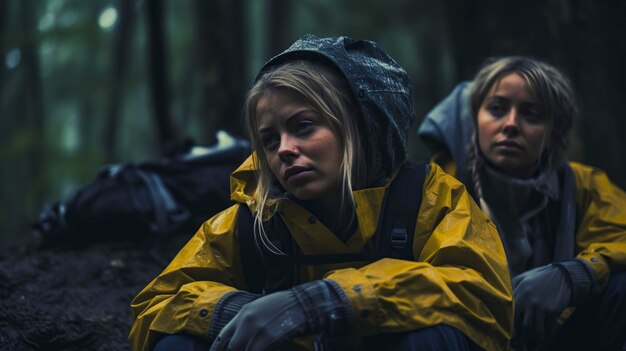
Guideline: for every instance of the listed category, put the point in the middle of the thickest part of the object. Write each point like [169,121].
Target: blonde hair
[328,92]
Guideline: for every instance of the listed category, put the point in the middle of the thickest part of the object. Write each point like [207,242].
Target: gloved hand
[542,294]
[227,307]
[306,309]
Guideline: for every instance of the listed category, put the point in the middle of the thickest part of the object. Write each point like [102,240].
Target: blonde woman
[329,120]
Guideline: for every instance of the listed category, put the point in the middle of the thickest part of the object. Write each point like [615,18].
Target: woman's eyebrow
[532,104]
[265,130]
[298,113]
[498,97]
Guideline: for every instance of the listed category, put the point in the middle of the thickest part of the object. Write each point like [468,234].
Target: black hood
[381,88]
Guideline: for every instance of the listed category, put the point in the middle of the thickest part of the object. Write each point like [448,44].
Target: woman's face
[511,127]
[303,152]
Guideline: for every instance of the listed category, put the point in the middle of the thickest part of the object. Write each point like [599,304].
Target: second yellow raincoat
[600,238]
[600,206]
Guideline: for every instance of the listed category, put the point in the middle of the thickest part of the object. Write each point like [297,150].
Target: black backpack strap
[251,260]
[162,201]
[401,205]
[396,227]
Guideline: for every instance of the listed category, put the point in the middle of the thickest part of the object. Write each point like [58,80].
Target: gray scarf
[518,207]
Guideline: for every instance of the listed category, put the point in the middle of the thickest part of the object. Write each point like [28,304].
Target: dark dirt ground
[69,297]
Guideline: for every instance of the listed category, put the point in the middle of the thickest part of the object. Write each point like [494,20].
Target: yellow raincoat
[459,276]
[601,213]
[601,234]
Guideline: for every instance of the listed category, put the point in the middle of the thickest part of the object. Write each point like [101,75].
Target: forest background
[89,83]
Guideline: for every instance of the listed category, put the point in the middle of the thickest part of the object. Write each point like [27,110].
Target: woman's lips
[508,146]
[298,177]
[295,171]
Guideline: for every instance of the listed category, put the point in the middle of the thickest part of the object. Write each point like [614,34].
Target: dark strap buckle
[398,238]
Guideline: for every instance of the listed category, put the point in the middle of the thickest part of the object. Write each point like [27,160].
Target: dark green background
[77,94]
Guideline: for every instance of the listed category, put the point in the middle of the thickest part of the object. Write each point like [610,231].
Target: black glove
[226,308]
[542,294]
[306,309]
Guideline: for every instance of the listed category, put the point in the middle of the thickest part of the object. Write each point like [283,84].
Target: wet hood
[381,88]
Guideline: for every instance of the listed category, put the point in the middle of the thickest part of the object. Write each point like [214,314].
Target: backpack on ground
[128,201]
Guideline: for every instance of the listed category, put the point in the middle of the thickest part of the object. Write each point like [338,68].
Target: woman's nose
[511,122]
[288,148]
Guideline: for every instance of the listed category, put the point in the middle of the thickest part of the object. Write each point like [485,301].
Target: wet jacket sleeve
[601,232]
[184,296]
[460,276]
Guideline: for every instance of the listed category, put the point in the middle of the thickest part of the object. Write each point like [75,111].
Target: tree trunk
[119,65]
[206,21]
[158,76]
[3,18]
[223,58]
[28,168]
[236,62]
[602,137]
[279,18]
[34,94]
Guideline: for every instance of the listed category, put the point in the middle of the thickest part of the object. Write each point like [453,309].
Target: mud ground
[75,297]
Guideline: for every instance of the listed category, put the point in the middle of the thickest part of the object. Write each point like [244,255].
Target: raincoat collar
[369,203]
[243,182]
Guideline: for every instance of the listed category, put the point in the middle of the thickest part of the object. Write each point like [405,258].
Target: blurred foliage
[81,82]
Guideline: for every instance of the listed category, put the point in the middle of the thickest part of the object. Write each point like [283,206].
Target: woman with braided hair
[563,224]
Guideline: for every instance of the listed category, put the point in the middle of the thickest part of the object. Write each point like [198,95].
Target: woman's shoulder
[443,159]
[222,222]
[442,176]
[580,168]
[592,180]
[587,175]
